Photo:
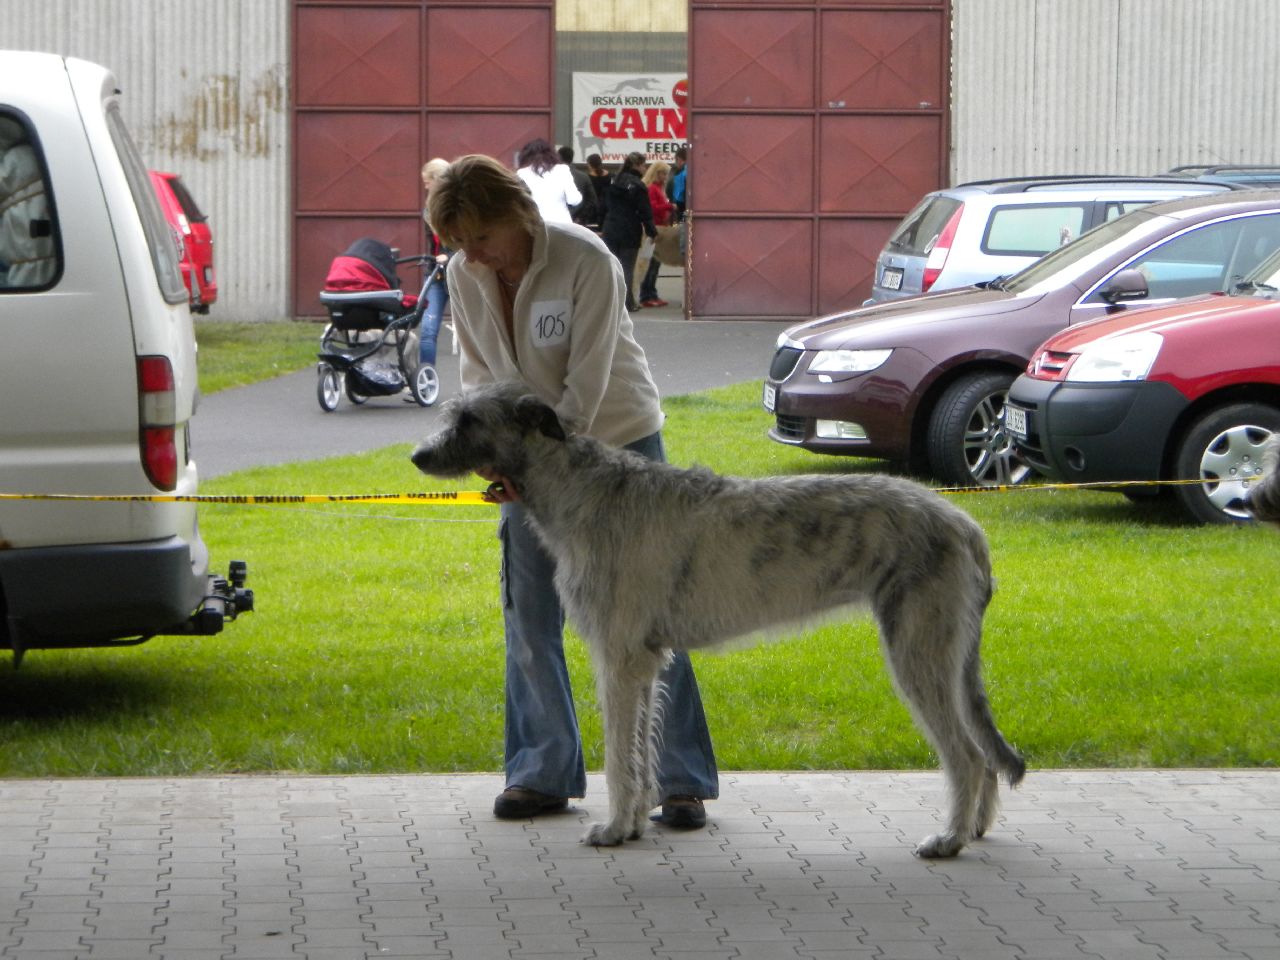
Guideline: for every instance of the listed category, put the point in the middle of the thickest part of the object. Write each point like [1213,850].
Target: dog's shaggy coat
[653,558]
[1264,499]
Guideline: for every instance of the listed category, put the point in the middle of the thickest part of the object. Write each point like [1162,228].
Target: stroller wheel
[425,384]
[328,388]
[354,395]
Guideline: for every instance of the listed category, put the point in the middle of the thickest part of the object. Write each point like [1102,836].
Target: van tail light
[157,419]
[941,247]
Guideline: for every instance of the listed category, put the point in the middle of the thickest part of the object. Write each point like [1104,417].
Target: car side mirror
[1125,286]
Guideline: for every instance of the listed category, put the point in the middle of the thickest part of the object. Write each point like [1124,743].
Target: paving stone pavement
[1149,865]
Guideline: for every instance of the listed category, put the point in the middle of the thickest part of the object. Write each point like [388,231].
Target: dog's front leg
[625,686]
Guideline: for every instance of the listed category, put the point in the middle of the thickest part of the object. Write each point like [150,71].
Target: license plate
[770,398]
[891,278]
[1015,421]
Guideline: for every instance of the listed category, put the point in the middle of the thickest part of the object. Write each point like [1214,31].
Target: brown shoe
[682,812]
[517,803]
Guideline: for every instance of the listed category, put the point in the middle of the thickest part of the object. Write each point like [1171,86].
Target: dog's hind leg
[625,681]
[923,657]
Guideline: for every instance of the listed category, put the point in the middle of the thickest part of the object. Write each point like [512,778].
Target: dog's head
[488,428]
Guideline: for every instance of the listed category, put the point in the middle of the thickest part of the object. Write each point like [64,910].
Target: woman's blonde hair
[476,193]
[656,169]
[432,169]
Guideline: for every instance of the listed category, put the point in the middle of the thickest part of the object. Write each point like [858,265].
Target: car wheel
[425,385]
[967,443]
[1223,451]
[328,388]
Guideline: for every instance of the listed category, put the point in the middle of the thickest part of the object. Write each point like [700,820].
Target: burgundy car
[923,381]
[1189,392]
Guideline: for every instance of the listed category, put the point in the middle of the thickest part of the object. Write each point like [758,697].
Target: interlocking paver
[1149,865]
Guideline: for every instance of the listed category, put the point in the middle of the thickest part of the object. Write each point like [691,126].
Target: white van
[97,378]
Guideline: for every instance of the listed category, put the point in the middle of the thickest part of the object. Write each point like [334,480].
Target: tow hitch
[226,599]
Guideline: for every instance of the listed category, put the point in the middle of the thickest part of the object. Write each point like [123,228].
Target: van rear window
[161,239]
[30,254]
[920,228]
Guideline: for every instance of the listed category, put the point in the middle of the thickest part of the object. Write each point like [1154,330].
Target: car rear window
[164,255]
[186,201]
[30,252]
[920,228]
[1032,231]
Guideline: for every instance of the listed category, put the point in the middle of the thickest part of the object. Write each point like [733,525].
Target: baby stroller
[370,347]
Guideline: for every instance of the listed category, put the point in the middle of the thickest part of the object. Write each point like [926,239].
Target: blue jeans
[429,329]
[543,743]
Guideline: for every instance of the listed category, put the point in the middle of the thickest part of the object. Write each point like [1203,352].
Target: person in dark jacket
[628,219]
[587,212]
[600,180]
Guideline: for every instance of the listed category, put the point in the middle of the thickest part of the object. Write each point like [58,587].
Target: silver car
[978,231]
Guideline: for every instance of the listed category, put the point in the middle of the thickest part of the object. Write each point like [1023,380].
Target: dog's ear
[533,414]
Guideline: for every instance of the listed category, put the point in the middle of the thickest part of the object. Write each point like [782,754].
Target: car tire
[1223,449]
[328,388]
[967,444]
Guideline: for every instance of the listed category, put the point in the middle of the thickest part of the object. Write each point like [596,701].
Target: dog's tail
[1264,499]
[999,753]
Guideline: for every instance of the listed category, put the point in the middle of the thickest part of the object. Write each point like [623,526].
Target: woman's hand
[501,490]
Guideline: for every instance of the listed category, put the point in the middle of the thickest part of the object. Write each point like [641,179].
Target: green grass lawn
[233,354]
[1119,636]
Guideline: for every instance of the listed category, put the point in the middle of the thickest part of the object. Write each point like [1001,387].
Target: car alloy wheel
[1223,450]
[967,442]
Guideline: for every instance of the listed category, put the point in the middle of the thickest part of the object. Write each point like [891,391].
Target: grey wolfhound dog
[652,558]
[1264,499]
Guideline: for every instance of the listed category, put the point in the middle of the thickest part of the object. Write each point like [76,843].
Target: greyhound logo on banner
[617,113]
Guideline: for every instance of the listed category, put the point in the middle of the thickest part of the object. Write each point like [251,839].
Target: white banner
[617,113]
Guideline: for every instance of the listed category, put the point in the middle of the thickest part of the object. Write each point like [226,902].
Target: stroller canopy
[368,264]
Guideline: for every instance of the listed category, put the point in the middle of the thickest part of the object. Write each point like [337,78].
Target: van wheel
[328,388]
[1223,450]
[967,444]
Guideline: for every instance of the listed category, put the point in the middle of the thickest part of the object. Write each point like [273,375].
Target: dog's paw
[604,835]
[939,846]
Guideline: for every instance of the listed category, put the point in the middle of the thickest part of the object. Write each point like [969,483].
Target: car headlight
[848,361]
[1116,359]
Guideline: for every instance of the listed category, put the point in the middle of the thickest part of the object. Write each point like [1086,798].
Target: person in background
[656,179]
[549,180]
[514,270]
[587,212]
[438,292]
[600,180]
[628,218]
[677,185]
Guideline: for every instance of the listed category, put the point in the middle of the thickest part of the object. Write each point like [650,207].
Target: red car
[1188,392]
[192,236]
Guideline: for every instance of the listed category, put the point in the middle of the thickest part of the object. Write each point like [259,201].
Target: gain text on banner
[617,113]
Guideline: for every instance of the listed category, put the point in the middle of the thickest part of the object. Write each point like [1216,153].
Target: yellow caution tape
[446,498]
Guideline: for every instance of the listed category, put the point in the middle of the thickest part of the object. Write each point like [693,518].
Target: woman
[600,180]
[437,293]
[549,180]
[542,303]
[656,180]
[628,218]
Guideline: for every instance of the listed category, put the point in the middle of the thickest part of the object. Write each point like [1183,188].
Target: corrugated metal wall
[1101,86]
[205,95]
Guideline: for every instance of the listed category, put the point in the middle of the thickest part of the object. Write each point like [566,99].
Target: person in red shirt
[656,179]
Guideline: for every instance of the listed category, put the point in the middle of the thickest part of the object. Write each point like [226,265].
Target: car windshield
[1265,277]
[1075,256]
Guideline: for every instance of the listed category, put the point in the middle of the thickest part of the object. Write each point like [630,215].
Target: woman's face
[502,247]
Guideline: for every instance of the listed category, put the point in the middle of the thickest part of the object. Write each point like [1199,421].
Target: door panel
[382,86]
[829,114]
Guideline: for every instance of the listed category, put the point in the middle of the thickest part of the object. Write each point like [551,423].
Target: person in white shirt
[549,180]
[542,303]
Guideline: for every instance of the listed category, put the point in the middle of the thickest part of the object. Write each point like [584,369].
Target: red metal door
[816,124]
[381,87]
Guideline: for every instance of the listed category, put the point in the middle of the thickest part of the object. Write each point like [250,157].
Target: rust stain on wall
[228,114]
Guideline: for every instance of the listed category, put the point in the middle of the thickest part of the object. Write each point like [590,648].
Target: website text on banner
[619,113]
